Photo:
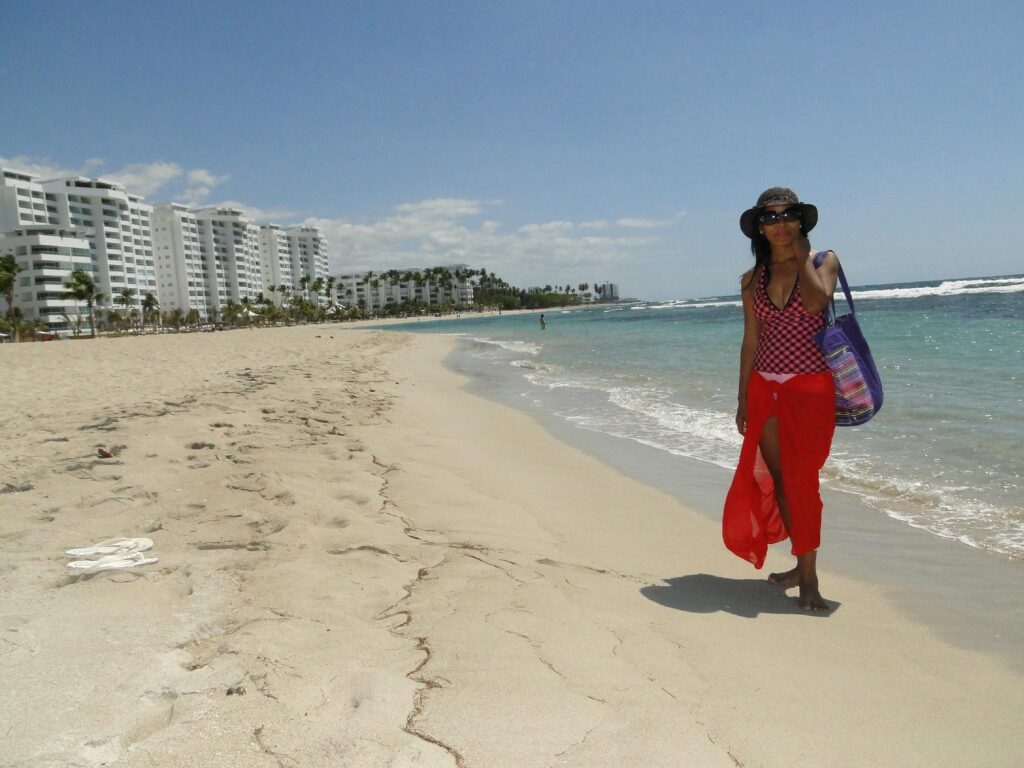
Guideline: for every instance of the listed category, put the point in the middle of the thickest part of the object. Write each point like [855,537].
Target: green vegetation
[436,291]
[9,270]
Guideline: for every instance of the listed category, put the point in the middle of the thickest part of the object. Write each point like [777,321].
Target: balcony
[52,272]
[54,299]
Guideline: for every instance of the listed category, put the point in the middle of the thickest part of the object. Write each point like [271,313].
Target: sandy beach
[360,563]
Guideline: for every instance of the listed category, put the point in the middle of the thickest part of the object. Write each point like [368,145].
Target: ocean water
[945,454]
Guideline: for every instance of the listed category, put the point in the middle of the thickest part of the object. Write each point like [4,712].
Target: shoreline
[969,596]
[362,563]
[374,322]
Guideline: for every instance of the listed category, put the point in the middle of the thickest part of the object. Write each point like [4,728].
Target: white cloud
[638,223]
[259,215]
[420,233]
[145,178]
[550,227]
[445,231]
[199,185]
[168,180]
[442,207]
[46,169]
[633,222]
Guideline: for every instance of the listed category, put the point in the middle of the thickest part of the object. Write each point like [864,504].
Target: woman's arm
[818,285]
[748,349]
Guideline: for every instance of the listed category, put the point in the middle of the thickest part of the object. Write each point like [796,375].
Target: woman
[786,404]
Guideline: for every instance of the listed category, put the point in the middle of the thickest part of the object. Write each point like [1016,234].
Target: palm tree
[231,312]
[114,319]
[375,284]
[9,270]
[74,323]
[150,309]
[175,317]
[247,310]
[420,281]
[330,290]
[81,287]
[126,300]
[304,284]
[38,326]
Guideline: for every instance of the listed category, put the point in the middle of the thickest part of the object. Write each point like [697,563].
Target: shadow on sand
[704,593]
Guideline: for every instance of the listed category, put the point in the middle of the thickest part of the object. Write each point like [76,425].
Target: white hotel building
[23,202]
[93,216]
[373,291]
[309,253]
[188,258]
[276,254]
[182,276]
[47,256]
[230,244]
[289,254]
[117,226]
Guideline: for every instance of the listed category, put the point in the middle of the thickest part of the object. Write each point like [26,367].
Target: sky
[553,142]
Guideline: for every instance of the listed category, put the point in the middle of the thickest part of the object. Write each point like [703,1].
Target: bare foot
[811,599]
[786,579]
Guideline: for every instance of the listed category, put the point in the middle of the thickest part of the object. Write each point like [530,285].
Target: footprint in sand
[249,546]
[154,713]
[109,424]
[15,488]
[251,482]
[203,652]
[268,527]
[361,500]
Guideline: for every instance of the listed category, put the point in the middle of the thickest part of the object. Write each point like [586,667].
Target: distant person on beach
[543,322]
[786,403]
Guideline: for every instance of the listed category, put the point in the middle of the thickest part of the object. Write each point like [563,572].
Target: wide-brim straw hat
[778,196]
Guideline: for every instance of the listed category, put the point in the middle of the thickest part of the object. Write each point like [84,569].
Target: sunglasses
[768,218]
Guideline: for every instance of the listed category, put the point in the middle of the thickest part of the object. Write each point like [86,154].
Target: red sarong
[805,411]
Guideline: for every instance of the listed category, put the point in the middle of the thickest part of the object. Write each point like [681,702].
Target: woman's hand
[803,248]
[741,417]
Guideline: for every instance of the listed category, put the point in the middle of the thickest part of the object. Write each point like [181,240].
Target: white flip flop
[111,562]
[113,547]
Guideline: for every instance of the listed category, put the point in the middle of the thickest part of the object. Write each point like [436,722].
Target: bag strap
[831,314]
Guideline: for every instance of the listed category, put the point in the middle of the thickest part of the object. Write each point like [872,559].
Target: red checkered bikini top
[786,343]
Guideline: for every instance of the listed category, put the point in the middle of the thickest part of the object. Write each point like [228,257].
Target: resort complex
[76,244]
[83,255]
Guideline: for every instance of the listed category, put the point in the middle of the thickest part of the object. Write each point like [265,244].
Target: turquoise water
[946,453]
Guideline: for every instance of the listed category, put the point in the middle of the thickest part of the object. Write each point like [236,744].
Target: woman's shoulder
[823,256]
[747,281]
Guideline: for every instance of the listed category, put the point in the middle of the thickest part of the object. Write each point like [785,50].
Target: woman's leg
[770,453]
[805,574]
